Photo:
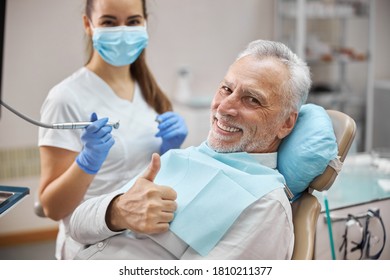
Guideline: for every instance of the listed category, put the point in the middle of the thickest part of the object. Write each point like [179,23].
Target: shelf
[319,10]
[332,60]
[323,33]
[312,17]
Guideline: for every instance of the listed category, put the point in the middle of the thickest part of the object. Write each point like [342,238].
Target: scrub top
[75,99]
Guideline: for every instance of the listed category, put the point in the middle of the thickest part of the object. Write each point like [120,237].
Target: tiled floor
[33,251]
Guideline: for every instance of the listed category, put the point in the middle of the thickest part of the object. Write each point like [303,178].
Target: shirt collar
[266,159]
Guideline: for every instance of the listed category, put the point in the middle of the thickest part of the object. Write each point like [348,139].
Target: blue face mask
[120,45]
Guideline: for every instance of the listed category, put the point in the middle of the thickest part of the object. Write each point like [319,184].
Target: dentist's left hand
[172,129]
[97,141]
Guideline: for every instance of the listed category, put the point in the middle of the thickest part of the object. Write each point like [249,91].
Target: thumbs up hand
[146,207]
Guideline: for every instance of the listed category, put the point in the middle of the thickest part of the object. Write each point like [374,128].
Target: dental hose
[70,125]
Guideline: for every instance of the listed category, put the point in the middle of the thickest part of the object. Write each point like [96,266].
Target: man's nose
[229,105]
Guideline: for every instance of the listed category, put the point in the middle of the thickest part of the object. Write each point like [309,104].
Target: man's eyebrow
[258,93]
[229,84]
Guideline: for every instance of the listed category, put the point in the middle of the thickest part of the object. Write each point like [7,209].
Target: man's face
[246,109]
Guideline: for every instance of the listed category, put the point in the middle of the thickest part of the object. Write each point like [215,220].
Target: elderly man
[221,200]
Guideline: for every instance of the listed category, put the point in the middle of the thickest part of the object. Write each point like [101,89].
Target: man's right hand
[146,207]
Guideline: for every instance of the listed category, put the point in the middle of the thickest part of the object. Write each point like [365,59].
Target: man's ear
[288,125]
[87,26]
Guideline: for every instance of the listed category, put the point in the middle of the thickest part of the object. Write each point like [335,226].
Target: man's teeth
[226,128]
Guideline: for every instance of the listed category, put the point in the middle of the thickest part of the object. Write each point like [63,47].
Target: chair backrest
[306,209]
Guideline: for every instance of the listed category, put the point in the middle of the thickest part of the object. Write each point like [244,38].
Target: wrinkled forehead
[258,72]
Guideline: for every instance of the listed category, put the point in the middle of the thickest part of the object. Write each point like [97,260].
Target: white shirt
[75,99]
[263,231]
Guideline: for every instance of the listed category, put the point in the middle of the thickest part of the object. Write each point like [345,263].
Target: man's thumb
[153,168]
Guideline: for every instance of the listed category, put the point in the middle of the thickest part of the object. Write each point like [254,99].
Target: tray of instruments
[9,196]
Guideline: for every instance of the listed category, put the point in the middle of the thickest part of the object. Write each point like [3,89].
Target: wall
[382,40]
[44,44]
[204,35]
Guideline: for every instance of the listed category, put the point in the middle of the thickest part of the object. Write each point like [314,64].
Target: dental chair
[306,208]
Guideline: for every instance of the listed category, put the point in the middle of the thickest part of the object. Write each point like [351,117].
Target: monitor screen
[2,35]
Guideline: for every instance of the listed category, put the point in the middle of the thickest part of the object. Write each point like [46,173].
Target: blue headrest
[306,151]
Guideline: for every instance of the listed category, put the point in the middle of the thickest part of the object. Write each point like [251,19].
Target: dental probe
[79,125]
[71,125]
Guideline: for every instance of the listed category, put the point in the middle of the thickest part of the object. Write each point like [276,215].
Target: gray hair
[296,89]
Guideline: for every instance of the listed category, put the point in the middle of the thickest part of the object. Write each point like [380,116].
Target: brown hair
[139,70]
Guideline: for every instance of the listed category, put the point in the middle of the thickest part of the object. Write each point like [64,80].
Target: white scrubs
[75,99]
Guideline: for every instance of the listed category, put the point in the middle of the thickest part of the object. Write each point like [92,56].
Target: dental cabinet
[362,186]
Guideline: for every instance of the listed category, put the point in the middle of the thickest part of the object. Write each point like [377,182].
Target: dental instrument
[79,125]
[67,125]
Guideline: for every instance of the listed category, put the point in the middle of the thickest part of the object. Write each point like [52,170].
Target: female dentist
[117,84]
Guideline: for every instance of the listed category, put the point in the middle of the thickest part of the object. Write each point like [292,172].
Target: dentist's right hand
[97,140]
[146,207]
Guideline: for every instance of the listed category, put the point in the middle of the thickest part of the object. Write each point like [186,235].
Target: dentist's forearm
[61,196]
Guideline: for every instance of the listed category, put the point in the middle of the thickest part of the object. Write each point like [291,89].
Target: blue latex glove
[97,141]
[172,129]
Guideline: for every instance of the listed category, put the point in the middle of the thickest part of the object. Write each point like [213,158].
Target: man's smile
[226,127]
